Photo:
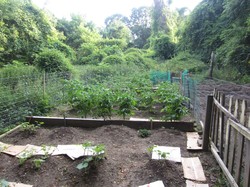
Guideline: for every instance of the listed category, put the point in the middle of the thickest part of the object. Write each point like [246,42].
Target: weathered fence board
[229,137]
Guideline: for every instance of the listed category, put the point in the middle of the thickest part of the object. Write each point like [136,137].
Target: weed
[38,163]
[143,133]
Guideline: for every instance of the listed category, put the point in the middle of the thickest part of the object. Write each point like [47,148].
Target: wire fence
[29,95]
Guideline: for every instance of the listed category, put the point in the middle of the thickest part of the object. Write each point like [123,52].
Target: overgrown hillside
[223,27]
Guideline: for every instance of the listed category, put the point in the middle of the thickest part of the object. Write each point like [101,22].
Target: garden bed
[127,160]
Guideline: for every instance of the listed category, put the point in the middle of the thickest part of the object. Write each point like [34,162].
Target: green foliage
[21,40]
[107,42]
[220,26]
[143,133]
[135,58]
[163,47]
[52,60]
[30,128]
[184,61]
[38,163]
[173,102]
[126,104]
[118,30]
[99,155]
[113,59]
[4,183]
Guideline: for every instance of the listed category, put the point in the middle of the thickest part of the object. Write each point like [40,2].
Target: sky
[98,10]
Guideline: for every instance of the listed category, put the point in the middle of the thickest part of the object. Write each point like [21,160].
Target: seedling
[24,157]
[143,133]
[31,128]
[38,163]
[98,156]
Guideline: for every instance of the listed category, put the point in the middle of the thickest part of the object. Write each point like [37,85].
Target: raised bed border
[94,123]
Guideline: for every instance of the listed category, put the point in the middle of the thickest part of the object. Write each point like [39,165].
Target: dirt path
[207,87]
[127,160]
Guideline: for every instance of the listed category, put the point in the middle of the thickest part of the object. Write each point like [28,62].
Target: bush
[134,50]
[111,42]
[112,50]
[52,60]
[163,47]
[113,59]
[134,57]
[144,133]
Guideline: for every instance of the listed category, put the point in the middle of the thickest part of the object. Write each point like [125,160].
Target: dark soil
[127,160]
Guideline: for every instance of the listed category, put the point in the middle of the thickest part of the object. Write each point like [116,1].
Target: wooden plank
[228,114]
[208,123]
[228,133]
[192,141]
[240,144]
[94,123]
[241,129]
[193,184]
[246,177]
[221,126]
[216,123]
[14,150]
[223,167]
[233,141]
[10,131]
[193,169]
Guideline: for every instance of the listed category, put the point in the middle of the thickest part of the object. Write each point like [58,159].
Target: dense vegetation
[33,41]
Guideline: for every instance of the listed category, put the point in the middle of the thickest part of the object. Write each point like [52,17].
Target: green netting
[160,76]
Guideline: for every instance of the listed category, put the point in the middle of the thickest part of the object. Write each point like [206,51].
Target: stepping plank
[193,169]
[192,141]
[75,151]
[154,184]
[46,150]
[29,151]
[192,184]
[170,153]
[4,146]
[14,184]
[138,119]
[14,150]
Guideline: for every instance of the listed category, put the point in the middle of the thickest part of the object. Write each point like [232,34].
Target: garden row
[125,98]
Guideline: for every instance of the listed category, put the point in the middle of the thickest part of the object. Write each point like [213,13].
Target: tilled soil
[127,160]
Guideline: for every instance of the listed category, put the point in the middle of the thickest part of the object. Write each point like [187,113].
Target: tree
[116,17]
[24,30]
[140,25]
[117,30]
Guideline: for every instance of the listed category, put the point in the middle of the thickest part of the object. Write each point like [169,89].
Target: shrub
[134,57]
[143,133]
[111,42]
[112,50]
[163,47]
[52,60]
[113,59]
[134,50]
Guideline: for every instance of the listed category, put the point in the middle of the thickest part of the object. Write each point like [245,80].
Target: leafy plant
[25,156]
[126,103]
[143,133]
[30,128]
[4,183]
[99,155]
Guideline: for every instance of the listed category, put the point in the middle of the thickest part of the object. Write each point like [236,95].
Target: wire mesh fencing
[29,95]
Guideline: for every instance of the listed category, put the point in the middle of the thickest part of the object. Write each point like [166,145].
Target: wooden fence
[227,131]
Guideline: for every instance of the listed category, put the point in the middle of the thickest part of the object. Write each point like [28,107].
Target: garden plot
[127,159]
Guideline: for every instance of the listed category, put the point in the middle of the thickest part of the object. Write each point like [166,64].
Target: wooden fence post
[207,124]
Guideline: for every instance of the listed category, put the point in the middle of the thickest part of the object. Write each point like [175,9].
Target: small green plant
[99,155]
[38,163]
[24,157]
[143,133]
[4,183]
[126,104]
[31,128]
[160,153]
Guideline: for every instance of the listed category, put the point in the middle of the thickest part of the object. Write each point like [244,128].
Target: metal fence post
[207,124]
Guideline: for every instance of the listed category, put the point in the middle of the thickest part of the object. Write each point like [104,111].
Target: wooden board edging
[94,123]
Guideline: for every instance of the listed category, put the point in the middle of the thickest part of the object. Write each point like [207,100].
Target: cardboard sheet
[154,184]
[193,184]
[170,153]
